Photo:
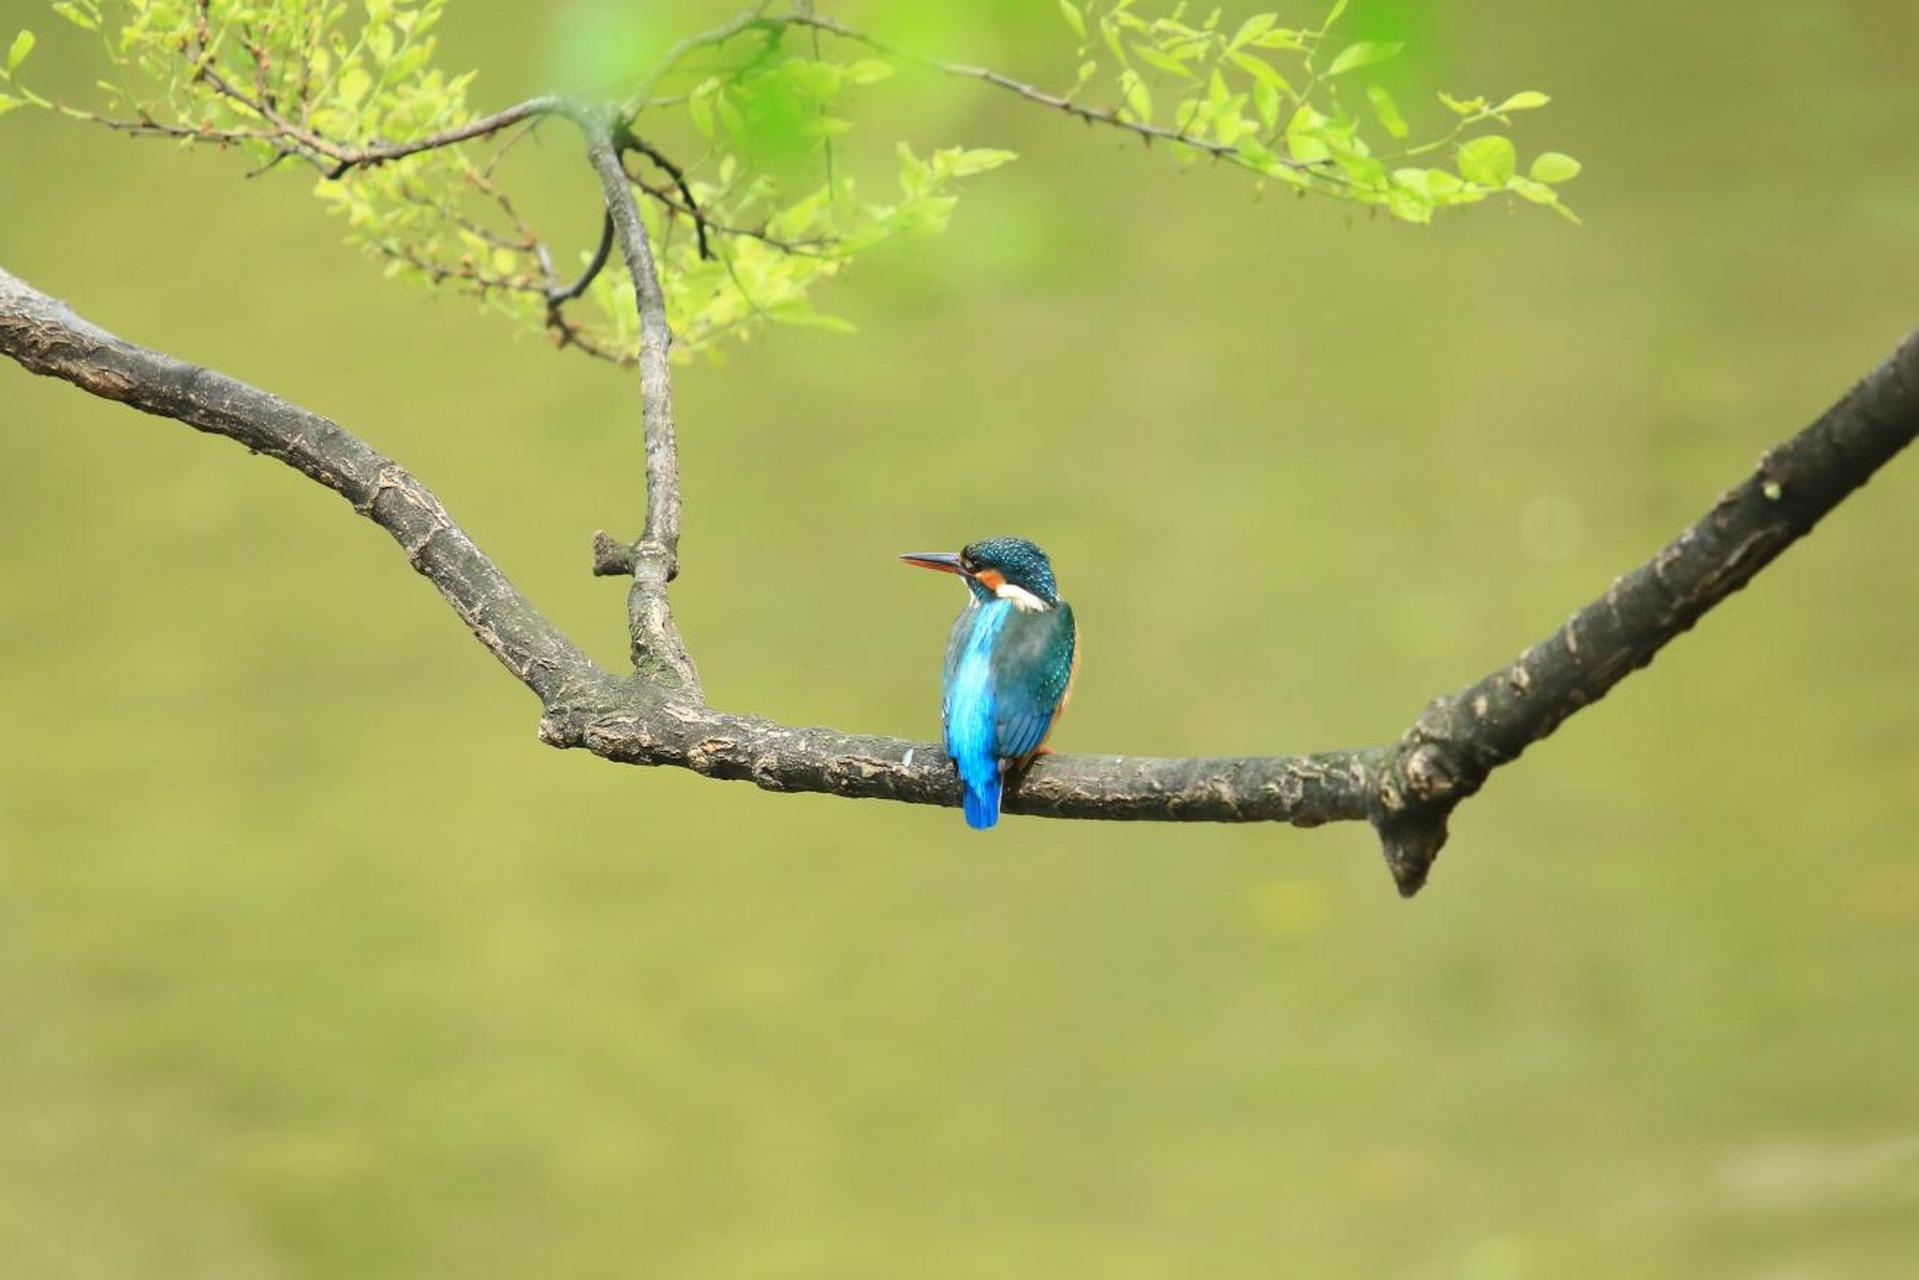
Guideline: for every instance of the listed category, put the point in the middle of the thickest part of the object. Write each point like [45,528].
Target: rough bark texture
[1407,789]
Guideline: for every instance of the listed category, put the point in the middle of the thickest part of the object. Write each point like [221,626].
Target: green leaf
[1387,110]
[1280,38]
[8,102]
[1256,155]
[1165,62]
[1139,100]
[353,85]
[1266,102]
[869,71]
[978,160]
[1488,161]
[1463,106]
[1253,28]
[71,12]
[914,172]
[1303,138]
[17,54]
[1555,166]
[1409,204]
[1261,70]
[1526,100]
[1339,7]
[701,110]
[1074,18]
[1363,54]
[819,80]
[1537,192]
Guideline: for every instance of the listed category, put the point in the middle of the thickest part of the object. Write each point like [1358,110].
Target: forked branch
[1407,789]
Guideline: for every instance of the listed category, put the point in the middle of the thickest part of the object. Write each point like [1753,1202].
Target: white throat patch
[1022,599]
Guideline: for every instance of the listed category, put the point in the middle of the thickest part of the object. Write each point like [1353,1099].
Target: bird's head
[998,568]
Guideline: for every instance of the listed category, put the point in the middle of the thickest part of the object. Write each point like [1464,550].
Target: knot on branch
[615,559]
[611,557]
[1412,842]
[1427,773]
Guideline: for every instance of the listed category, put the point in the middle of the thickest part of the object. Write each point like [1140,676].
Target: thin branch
[742,21]
[314,147]
[352,158]
[1406,789]
[627,141]
[594,266]
[1035,94]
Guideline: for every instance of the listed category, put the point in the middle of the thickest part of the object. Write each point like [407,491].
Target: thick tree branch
[47,338]
[1406,789]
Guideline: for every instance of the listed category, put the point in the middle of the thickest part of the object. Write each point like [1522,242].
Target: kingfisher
[1010,663]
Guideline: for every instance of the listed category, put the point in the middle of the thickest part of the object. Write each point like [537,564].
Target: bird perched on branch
[1010,662]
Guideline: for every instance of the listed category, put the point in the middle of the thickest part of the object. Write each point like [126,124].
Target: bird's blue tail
[981,800]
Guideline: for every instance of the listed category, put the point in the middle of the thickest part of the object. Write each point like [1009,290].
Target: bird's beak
[944,561]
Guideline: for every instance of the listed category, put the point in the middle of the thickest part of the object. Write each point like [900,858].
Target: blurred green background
[313,963]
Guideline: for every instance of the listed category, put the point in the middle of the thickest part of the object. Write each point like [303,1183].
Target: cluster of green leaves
[1273,99]
[768,275]
[759,201]
[319,81]
[771,177]
[325,81]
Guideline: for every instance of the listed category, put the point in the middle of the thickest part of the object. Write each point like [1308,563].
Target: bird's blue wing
[967,707]
[1032,664]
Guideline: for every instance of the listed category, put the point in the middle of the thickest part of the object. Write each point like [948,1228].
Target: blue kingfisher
[1010,662]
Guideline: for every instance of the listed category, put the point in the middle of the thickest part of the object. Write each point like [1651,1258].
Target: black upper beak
[944,561]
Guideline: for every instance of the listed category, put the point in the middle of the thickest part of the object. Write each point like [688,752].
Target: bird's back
[1007,671]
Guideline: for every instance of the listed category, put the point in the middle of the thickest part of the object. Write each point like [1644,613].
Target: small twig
[627,142]
[485,125]
[1035,94]
[555,297]
[807,248]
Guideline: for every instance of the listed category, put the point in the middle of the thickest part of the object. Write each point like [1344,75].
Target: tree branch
[45,337]
[658,649]
[1406,789]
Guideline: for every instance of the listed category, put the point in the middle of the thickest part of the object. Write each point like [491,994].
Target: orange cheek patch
[991,579]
